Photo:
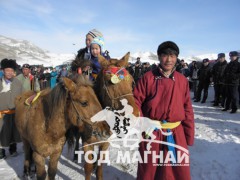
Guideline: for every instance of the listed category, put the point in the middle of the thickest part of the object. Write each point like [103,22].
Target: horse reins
[114,98]
[91,124]
[79,118]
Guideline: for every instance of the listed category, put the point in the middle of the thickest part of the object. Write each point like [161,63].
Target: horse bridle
[113,99]
[79,119]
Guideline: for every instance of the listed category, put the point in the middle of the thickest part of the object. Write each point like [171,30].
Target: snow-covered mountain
[152,58]
[26,52]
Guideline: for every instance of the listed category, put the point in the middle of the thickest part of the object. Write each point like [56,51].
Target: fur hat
[205,60]
[220,55]
[94,33]
[168,46]
[233,53]
[8,63]
[100,41]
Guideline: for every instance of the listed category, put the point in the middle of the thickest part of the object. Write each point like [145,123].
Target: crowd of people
[223,76]
[161,92]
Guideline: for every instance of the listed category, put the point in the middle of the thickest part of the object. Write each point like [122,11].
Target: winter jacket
[29,83]
[83,53]
[194,73]
[204,74]
[218,71]
[185,72]
[7,98]
[96,67]
[232,73]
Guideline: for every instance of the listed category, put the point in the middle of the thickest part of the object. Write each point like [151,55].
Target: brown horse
[109,94]
[114,83]
[44,123]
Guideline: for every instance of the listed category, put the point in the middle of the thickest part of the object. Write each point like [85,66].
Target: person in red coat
[163,95]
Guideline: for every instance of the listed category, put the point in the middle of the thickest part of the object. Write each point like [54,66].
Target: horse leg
[40,166]
[52,166]
[75,156]
[99,170]
[27,154]
[88,167]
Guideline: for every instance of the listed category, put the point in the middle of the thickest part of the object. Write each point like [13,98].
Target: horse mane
[54,101]
[79,62]
[81,80]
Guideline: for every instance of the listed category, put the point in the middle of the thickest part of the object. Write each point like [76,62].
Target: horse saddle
[29,101]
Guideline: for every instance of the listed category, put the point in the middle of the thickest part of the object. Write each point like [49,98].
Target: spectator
[146,67]
[40,76]
[47,79]
[231,79]
[137,70]
[194,79]
[29,82]
[130,69]
[63,72]
[218,79]
[154,66]
[54,75]
[178,65]
[10,88]
[204,75]
[1,73]
[185,71]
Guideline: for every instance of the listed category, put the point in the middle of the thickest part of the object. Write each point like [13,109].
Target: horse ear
[124,61]
[69,84]
[103,62]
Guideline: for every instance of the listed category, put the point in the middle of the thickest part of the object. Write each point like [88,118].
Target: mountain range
[26,52]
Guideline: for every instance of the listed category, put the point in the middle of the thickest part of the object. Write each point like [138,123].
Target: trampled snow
[215,154]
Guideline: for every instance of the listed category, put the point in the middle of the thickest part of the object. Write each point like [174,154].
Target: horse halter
[121,74]
[79,118]
[91,124]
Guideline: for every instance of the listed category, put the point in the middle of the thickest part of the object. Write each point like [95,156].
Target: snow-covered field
[215,154]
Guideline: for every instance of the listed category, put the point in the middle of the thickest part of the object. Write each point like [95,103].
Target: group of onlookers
[138,69]
[224,76]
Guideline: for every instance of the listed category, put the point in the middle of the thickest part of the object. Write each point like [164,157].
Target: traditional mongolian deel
[168,99]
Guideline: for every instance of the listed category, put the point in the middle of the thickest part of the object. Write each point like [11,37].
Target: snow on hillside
[26,52]
[152,58]
[215,154]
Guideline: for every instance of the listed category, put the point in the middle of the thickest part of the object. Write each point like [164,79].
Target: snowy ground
[215,154]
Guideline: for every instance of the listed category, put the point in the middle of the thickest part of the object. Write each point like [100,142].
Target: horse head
[115,83]
[82,102]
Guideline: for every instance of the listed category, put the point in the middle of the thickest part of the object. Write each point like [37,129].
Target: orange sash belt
[6,112]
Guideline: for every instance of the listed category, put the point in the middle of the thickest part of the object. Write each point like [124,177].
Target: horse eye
[84,104]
